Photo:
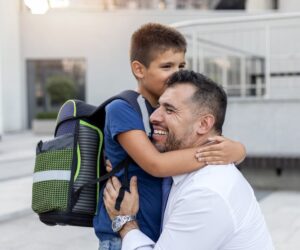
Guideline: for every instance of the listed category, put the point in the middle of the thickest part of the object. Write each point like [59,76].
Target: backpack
[70,169]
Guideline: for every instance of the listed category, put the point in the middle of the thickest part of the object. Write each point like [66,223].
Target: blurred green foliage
[46,115]
[60,89]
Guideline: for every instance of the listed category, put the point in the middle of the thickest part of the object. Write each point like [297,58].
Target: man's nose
[156,116]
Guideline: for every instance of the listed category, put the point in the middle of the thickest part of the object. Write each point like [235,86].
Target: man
[211,208]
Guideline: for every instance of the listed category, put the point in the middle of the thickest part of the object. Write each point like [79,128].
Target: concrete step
[15,198]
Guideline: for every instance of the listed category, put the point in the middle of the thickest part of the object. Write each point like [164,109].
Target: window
[52,82]
[241,76]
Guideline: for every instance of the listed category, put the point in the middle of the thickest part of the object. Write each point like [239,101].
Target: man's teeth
[160,132]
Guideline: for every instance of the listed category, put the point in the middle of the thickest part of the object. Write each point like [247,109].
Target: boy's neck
[151,99]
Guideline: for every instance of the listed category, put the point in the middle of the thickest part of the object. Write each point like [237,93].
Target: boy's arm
[142,151]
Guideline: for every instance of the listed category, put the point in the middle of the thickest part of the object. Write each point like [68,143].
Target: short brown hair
[153,38]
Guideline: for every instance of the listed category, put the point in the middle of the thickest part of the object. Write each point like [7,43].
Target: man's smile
[160,132]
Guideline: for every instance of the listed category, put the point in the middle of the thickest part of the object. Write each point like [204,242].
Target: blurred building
[241,44]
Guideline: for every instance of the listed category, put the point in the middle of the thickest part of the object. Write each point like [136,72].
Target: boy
[156,52]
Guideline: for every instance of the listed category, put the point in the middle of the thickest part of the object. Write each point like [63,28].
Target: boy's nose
[176,69]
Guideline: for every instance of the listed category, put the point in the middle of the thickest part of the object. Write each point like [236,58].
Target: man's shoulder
[221,179]
[224,182]
[212,173]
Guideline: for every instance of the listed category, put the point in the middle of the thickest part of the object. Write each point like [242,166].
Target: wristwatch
[119,221]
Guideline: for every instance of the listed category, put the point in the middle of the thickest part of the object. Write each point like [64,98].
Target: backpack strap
[143,107]
[123,164]
[140,104]
[136,100]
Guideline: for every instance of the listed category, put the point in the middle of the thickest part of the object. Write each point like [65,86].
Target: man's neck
[202,140]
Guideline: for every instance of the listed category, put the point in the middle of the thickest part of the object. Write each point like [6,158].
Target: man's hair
[208,95]
[152,39]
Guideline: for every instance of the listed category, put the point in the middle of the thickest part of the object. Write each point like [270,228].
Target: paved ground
[21,229]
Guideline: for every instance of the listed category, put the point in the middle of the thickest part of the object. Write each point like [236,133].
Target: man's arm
[135,239]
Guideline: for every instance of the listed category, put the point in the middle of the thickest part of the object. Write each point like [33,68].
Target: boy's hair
[153,38]
[208,95]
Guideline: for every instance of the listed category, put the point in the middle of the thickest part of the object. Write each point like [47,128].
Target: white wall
[1,81]
[12,93]
[266,127]
[289,5]
[258,5]
[284,88]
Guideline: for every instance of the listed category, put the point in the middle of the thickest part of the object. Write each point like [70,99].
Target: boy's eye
[167,66]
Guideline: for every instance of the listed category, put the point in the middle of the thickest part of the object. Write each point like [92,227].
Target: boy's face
[153,81]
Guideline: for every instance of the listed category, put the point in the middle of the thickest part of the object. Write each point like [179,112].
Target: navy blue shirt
[121,117]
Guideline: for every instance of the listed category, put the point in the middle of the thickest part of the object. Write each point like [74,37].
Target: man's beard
[171,144]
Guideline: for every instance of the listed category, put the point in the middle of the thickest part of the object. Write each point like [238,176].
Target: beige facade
[12,93]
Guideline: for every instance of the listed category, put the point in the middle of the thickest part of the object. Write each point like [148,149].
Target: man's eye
[166,66]
[182,66]
[169,111]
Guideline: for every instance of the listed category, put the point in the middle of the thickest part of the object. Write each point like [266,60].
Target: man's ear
[138,69]
[205,124]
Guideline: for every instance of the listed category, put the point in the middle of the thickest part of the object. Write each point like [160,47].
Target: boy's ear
[138,69]
[205,124]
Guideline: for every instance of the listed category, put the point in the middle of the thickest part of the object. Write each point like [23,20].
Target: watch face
[116,224]
[119,221]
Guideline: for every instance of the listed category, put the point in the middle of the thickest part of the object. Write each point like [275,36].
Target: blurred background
[54,50]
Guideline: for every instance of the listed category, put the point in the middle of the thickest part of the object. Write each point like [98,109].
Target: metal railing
[251,56]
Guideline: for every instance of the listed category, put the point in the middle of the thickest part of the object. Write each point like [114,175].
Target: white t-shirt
[212,208]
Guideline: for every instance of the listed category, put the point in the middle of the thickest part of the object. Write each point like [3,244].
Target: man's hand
[108,166]
[221,150]
[130,203]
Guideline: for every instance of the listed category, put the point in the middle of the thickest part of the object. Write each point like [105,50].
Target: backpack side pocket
[52,174]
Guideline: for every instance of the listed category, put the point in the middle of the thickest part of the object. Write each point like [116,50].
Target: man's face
[174,123]
[160,69]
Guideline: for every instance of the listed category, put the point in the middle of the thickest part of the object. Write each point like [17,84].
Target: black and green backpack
[70,169]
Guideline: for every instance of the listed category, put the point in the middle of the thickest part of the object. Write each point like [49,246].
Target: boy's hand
[221,150]
[130,203]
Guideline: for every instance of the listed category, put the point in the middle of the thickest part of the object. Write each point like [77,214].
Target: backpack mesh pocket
[52,174]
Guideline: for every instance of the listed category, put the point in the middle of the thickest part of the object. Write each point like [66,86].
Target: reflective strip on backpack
[145,114]
[59,175]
